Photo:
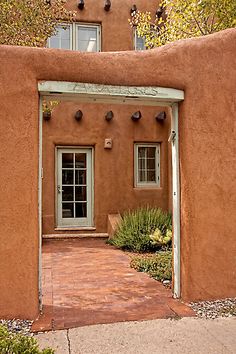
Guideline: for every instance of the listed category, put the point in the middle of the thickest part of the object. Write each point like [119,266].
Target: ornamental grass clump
[144,230]
[12,343]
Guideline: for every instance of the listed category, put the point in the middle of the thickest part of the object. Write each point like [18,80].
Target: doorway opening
[74,194]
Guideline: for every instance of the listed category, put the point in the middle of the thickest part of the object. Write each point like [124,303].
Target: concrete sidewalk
[188,335]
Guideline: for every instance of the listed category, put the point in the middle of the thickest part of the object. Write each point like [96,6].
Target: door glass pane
[67,193]
[67,176]
[80,210]
[61,40]
[67,210]
[67,160]
[80,160]
[80,176]
[87,39]
[81,194]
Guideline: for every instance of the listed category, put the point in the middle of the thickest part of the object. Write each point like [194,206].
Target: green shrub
[144,229]
[158,265]
[11,343]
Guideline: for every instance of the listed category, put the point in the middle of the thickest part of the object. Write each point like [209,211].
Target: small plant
[158,266]
[142,230]
[48,106]
[158,239]
[11,343]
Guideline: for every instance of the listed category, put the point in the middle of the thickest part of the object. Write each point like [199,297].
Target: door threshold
[76,228]
[68,236]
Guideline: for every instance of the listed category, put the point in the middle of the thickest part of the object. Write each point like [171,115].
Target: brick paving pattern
[86,281]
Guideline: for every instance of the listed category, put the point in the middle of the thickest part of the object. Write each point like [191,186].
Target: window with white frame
[147,165]
[62,39]
[77,36]
[139,42]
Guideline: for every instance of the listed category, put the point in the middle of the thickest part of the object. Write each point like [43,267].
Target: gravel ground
[214,309]
[18,326]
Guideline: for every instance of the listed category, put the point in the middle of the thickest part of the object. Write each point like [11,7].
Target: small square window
[147,165]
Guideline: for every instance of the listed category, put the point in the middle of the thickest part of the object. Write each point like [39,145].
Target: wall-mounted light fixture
[81,4]
[133,10]
[160,117]
[78,115]
[136,116]
[109,115]
[107,5]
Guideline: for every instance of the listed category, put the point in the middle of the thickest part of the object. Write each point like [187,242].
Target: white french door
[74,187]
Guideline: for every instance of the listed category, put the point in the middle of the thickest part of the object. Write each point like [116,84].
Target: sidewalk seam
[68,341]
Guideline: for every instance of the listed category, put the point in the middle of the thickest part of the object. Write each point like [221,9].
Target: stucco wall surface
[114,190]
[116,34]
[206,69]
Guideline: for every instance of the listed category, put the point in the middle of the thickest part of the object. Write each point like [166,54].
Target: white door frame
[128,95]
[83,222]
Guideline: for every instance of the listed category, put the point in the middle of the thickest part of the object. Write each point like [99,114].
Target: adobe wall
[114,190]
[205,68]
[116,31]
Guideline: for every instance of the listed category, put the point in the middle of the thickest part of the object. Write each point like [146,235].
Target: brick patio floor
[86,281]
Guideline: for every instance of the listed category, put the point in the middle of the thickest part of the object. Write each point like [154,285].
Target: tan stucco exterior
[116,33]
[114,190]
[205,69]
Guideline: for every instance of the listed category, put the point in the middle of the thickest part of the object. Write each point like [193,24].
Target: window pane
[140,43]
[67,176]
[141,164]
[81,210]
[141,152]
[151,152]
[80,160]
[80,194]
[151,176]
[87,39]
[67,210]
[67,160]
[80,177]
[61,39]
[151,164]
[67,193]
[141,176]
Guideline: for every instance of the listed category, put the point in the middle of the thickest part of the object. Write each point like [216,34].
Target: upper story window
[76,36]
[139,42]
[87,38]
[63,37]
[147,165]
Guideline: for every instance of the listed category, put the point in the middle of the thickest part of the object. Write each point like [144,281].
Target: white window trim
[90,25]
[65,24]
[74,33]
[138,184]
